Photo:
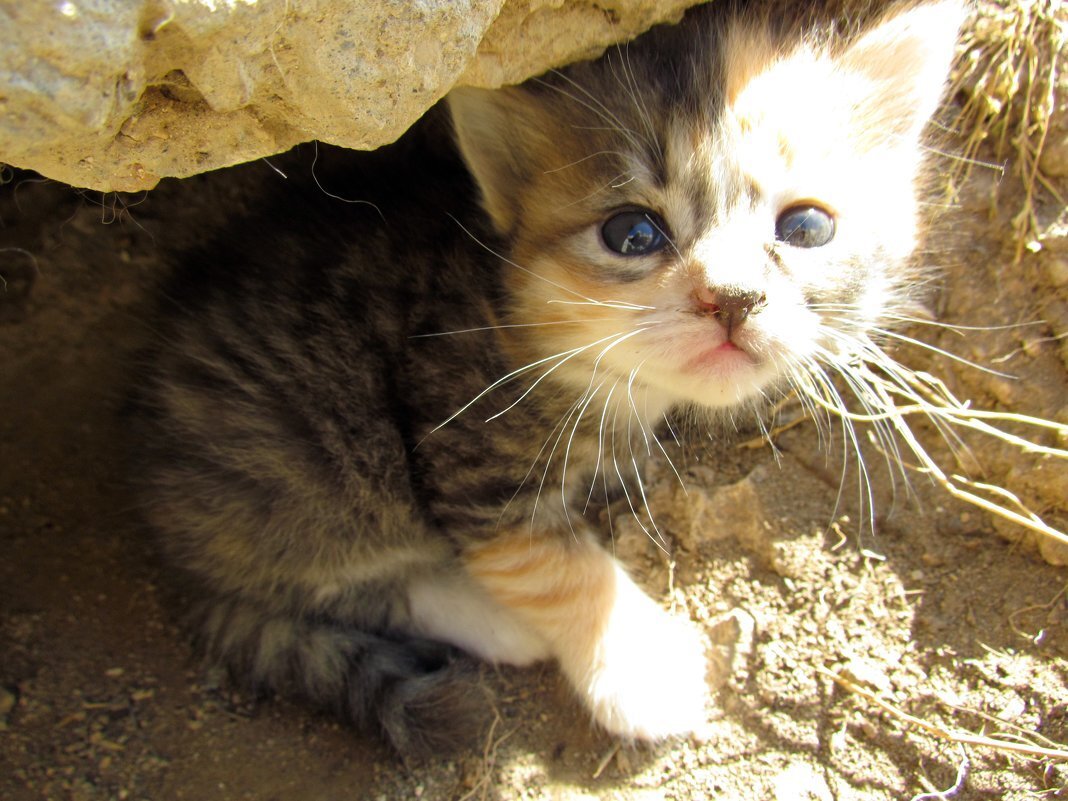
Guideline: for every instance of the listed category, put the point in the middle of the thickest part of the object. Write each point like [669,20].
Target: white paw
[646,676]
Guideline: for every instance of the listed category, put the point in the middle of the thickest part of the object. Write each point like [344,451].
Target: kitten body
[375,431]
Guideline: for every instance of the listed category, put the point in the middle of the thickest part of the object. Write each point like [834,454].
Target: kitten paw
[647,678]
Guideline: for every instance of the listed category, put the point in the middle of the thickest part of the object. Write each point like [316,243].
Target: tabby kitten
[377,430]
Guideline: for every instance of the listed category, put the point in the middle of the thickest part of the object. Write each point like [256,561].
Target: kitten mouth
[726,357]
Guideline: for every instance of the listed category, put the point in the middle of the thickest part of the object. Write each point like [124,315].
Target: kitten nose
[730,305]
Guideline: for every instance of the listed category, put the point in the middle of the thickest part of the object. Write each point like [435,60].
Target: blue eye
[805,227]
[634,233]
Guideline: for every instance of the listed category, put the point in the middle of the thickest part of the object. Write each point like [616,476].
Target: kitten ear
[906,59]
[497,131]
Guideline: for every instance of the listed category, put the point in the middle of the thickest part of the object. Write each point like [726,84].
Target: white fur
[452,608]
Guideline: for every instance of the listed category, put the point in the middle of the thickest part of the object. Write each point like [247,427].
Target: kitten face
[727,221]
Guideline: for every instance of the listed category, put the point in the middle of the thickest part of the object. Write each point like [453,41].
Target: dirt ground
[101,696]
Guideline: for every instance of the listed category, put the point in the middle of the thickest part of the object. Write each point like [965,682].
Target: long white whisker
[634,409]
[599,463]
[829,397]
[611,183]
[641,486]
[671,464]
[589,396]
[941,352]
[612,304]
[904,318]
[562,426]
[500,327]
[584,158]
[858,376]
[623,483]
[573,354]
[505,379]
[600,110]
[638,100]
[518,266]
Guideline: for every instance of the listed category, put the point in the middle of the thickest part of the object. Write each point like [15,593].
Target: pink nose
[730,305]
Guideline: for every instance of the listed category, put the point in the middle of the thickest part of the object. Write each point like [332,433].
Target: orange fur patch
[560,586]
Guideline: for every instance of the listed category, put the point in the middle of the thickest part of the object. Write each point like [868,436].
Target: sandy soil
[102,698]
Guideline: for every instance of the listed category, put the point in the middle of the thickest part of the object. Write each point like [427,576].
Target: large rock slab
[116,94]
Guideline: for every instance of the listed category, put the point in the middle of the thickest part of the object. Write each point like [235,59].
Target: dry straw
[893,393]
[1011,55]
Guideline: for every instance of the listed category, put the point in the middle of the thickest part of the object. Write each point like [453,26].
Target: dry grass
[890,394]
[1010,56]
[1016,741]
[921,393]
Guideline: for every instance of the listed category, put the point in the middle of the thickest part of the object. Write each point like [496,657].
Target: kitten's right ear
[907,59]
[497,132]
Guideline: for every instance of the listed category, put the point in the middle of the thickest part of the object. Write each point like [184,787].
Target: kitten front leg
[640,670]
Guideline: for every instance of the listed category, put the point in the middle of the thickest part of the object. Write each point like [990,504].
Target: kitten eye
[634,233]
[805,227]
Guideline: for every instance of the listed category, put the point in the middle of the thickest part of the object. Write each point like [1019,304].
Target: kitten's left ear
[499,132]
[906,59]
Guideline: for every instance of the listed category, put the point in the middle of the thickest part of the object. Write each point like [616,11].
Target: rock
[732,512]
[1056,269]
[116,96]
[800,781]
[7,703]
[730,638]
[1053,551]
[1054,160]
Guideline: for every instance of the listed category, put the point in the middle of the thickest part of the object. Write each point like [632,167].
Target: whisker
[518,266]
[611,183]
[593,104]
[576,352]
[864,484]
[612,304]
[664,234]
[500,327]
[623,484]
[671,464]
[589,396]
[904,318]
[671,429]
[941,352]
[562,426]
[584,158]
[509,377]
[634,416]
[630,397]
[599,463]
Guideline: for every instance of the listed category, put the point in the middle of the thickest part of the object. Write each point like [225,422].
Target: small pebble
[7,701]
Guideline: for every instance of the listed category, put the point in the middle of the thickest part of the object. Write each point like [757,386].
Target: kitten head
[719,206]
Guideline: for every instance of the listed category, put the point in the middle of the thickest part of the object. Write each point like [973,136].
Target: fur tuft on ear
[906,61]
[497,134]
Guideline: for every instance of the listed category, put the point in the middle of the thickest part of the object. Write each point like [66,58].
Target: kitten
[376,431]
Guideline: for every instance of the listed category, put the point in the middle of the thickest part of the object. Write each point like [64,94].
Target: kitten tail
[421,695]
